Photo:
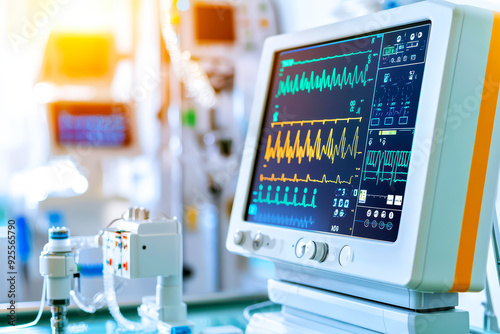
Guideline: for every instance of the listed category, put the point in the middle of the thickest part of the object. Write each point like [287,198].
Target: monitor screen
[337,133]
[214,23]
[103,125]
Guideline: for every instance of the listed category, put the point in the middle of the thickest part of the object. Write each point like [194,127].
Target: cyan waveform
[322,81]
[311,150]
[386,165]
[302,222]
[308,178]
[292,62]
[279,199]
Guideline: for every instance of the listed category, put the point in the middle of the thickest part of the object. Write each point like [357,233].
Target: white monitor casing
[425,255]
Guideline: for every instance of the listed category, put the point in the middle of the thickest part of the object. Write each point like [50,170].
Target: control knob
[311,250]
[239,237]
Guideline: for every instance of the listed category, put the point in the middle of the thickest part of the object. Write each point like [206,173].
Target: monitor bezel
[393,263]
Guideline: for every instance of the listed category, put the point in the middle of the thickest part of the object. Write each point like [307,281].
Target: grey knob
[258,241]
[239,237]
[316,251]
[321,252]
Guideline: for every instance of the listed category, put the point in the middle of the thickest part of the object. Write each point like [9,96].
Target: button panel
[304,248]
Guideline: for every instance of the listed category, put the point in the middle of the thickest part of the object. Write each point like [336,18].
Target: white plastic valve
[57,265]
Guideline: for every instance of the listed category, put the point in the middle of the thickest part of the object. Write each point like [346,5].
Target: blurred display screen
[214,23]
[77,55]
[98,125]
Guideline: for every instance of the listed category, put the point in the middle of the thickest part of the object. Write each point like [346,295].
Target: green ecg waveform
[386,164]
[323,81]
[292,62]
[278,199]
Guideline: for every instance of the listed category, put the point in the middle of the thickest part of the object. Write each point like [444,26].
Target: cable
[11,329]
[252,308]
[113,221]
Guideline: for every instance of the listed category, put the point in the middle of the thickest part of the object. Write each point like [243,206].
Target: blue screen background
[337,135]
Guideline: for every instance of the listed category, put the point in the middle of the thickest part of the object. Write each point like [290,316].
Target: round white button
[239,237]
[345,256]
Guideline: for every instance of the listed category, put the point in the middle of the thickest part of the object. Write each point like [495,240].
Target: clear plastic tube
[10,329]
[114,309]
[77,244]
[97,302]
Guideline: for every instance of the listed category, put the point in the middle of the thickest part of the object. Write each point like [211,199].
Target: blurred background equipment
[87,121]
[226,39]
[110,111]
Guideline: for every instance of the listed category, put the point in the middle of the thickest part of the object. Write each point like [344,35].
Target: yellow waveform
[308,178]
[313,121]
[311,150]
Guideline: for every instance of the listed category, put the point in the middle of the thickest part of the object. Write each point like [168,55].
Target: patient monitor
[371,162]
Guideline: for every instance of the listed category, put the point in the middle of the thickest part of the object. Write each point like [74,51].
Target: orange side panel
[477,176]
